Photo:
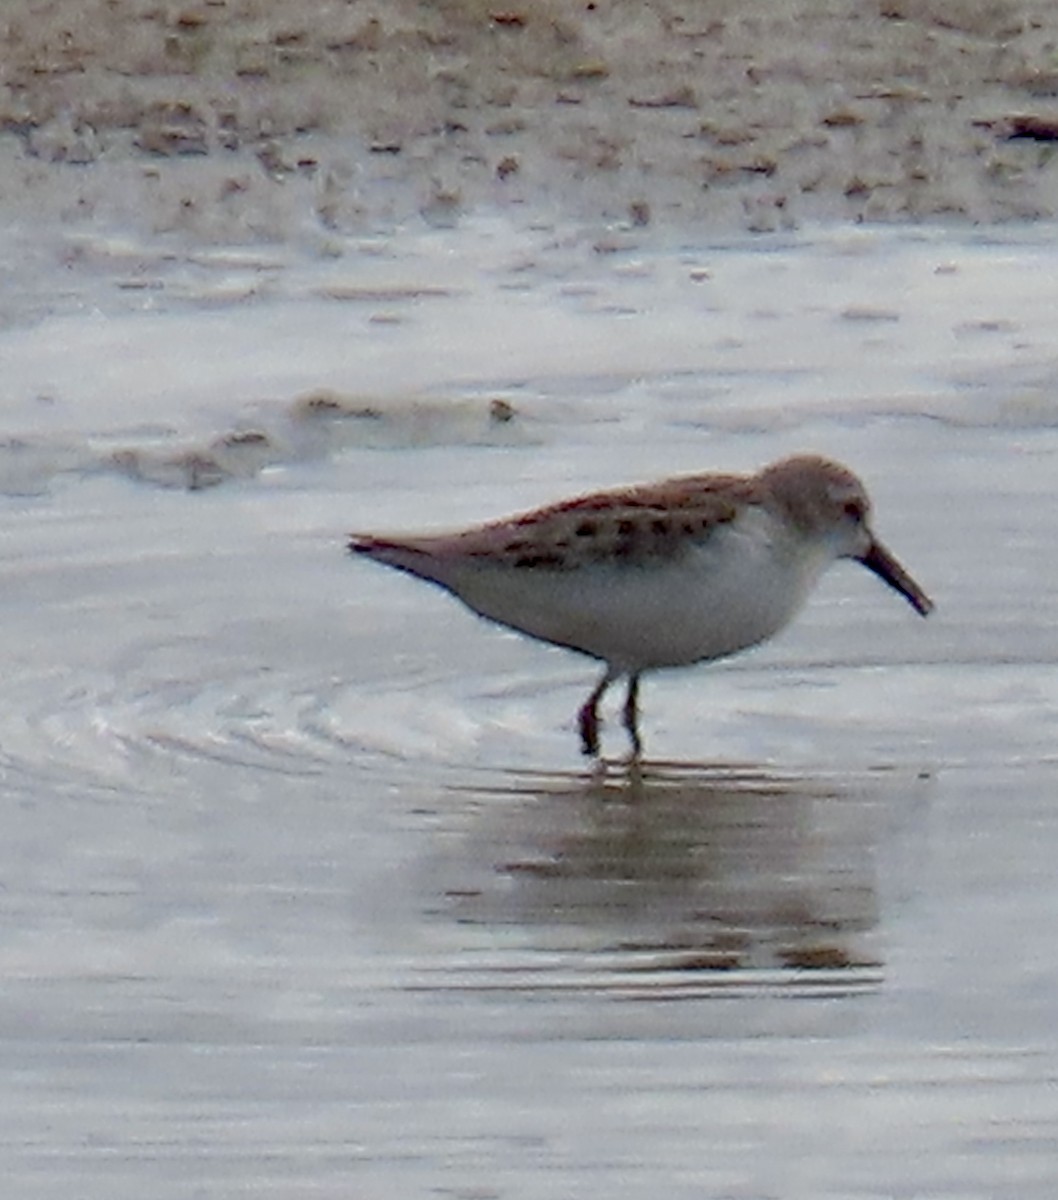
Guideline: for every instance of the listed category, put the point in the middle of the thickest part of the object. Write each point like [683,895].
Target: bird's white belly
[722,596]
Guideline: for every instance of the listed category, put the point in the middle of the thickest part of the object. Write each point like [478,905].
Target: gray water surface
[305,888]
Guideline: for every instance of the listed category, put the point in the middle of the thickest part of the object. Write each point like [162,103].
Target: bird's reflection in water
[719,874]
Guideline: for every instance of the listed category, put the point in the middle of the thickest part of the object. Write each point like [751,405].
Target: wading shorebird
[664,574]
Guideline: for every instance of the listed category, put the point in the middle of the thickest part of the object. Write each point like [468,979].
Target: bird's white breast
[734,589]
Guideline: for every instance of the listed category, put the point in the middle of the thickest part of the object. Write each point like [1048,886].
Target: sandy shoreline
[249,120]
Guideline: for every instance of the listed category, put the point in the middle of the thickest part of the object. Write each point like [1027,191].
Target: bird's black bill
[885,566]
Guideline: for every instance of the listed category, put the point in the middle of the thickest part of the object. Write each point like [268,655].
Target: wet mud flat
[265,120]
[305,885]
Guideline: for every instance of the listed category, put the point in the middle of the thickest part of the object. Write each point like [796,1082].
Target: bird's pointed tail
[413,557]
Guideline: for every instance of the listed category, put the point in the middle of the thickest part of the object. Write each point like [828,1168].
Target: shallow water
[306,889]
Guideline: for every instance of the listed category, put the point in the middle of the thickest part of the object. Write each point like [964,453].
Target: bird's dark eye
[855,510]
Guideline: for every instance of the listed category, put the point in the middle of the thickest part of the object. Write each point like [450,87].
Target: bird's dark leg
[588,717]
[631,714]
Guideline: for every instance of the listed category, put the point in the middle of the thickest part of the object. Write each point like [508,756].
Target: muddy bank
[267,119]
